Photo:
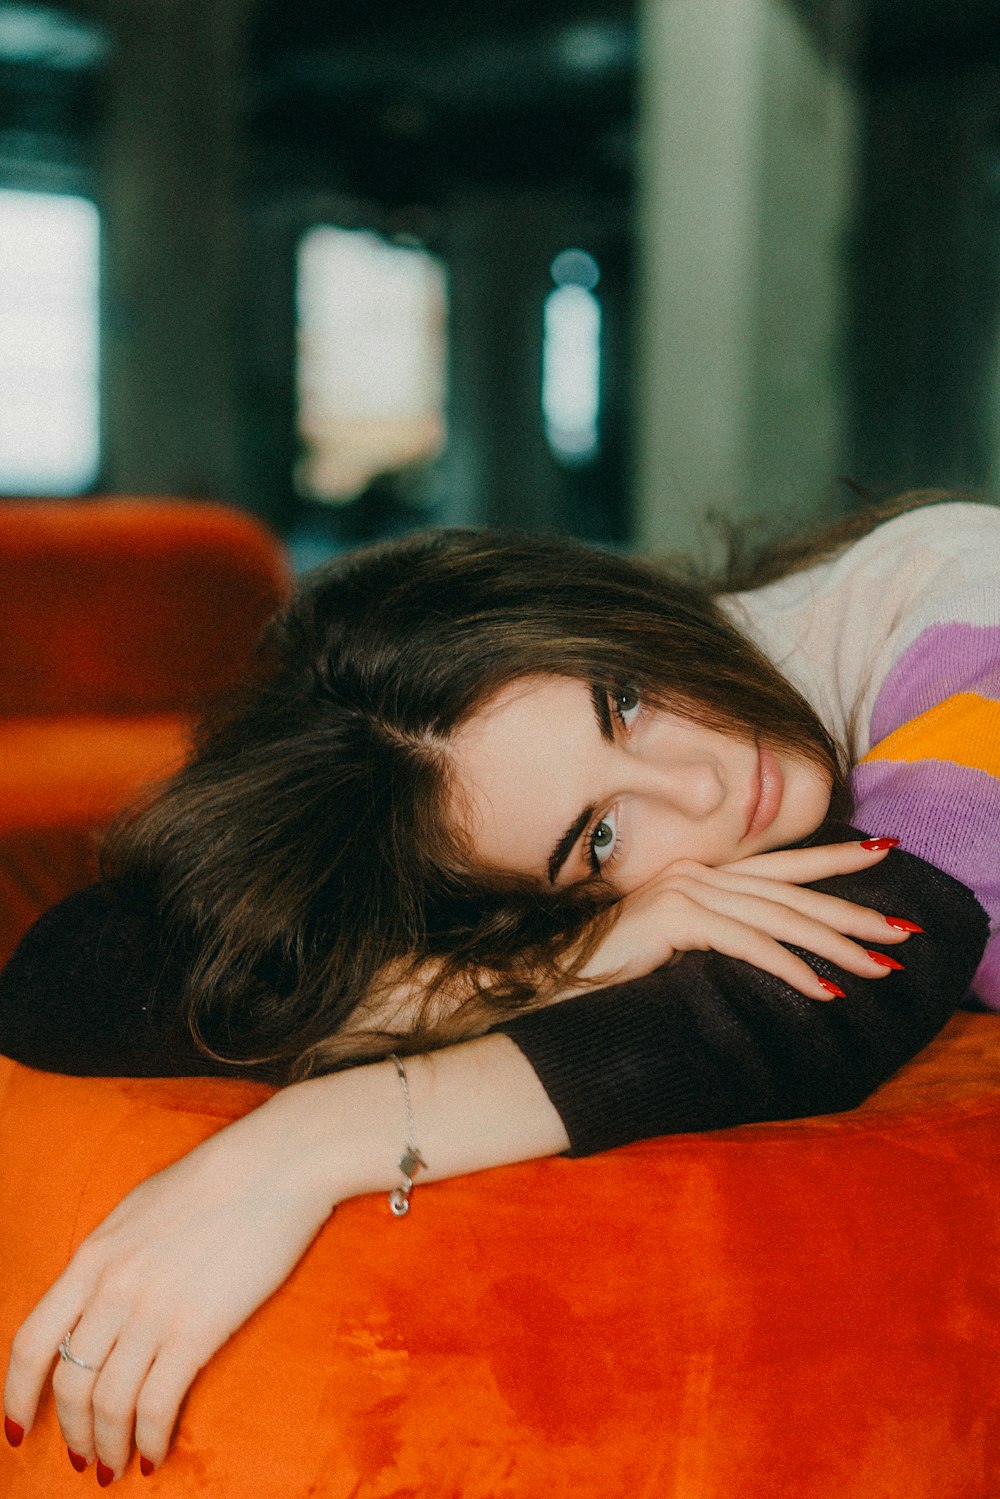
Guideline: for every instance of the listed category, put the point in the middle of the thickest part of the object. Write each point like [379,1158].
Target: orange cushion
[809,1309]
[118,619]
[61,781]
[79,771]
[129,606]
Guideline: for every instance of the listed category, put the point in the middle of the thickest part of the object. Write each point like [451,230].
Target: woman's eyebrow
[564,847]
[602,712]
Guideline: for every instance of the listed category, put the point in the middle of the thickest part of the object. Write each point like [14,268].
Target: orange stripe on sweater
[964,729]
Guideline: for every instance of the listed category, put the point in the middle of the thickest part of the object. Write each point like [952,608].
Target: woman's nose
[691,787]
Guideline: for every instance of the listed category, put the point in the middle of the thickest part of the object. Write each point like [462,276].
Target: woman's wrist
[337,1132]
[475,1105]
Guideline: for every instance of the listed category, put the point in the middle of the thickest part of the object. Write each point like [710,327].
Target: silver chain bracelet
[411,1161]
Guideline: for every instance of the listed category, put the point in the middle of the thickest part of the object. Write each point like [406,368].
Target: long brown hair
[304,852]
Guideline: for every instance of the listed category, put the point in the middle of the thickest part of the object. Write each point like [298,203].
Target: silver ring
[71,1358]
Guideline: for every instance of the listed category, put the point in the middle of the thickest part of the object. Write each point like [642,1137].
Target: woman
[480,779]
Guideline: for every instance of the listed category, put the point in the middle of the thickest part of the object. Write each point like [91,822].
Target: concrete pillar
[747,131]
[173,177]
[497,468]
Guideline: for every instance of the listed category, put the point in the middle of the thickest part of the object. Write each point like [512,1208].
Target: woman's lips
[767,791]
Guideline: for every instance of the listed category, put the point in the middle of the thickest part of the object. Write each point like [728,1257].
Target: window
[371,360]
[571,359]
[49,352]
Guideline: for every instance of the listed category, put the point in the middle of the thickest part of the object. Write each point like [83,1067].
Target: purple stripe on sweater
[948,815]
[943,660]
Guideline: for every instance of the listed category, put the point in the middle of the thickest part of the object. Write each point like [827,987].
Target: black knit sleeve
[85,994]
[704,1043]
[709,1041]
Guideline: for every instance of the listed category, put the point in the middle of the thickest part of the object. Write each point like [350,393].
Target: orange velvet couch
[118,619]
[805,1310]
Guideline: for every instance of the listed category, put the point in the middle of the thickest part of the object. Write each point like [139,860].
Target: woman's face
[558,781]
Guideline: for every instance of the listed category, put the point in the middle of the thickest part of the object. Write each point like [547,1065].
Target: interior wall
[748,148]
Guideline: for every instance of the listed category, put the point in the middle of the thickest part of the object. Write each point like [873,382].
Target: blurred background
[606,266]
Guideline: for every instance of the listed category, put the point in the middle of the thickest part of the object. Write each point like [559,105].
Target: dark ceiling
[518,93]
[930,34]
[423,97]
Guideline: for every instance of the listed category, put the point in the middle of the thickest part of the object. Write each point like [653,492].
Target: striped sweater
[896,643]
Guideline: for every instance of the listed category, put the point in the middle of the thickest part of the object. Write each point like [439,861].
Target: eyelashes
[603,843]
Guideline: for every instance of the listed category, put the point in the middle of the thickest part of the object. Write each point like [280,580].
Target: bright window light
[371,359]
[571,359]
[49,348]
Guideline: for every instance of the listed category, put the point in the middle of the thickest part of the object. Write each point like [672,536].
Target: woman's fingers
[141,1371]
[131,1387]
[803,866]
[74,1387]
[843,916]
[753,909]
[115,1397]
[735,938]
[136,1380]
[95,1385]
[159,1402]
[36,1344]
[782,923]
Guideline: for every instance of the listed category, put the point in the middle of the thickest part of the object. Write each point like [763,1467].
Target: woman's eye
[603,840]
[627,703]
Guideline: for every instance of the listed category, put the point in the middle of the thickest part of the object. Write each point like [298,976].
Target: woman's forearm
[475,1105]
[190,1253]
[707,1043]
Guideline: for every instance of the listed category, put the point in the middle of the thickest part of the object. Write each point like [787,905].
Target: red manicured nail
[78,1462]
[880,957]
[146,1468]
[13,1431]
[901,925]
[105,1475]
[874,844]
[831,988]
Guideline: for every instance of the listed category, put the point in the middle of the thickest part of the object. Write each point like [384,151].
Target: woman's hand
[161,1284]
[748,910]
